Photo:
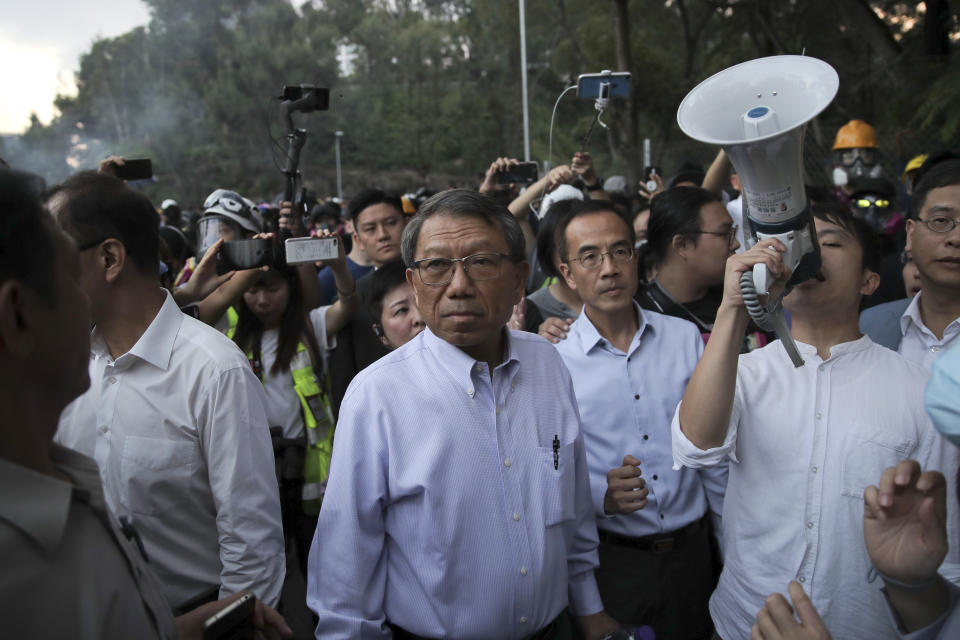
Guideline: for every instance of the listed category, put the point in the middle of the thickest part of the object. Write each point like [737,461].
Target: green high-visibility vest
[317,421]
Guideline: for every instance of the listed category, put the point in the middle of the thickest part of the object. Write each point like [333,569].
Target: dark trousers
[666,587]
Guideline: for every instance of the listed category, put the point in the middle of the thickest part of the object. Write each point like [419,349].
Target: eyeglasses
[593,259]
[940,224]
[730,233]
[479,266]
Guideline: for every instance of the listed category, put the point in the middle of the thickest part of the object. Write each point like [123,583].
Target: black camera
[307,96]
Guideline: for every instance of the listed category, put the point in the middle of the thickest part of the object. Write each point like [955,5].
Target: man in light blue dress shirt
[630,368]
[459,504]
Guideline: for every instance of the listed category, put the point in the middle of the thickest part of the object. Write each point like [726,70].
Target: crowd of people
[508,411]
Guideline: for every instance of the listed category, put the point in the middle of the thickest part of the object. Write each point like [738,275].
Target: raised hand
[490,184]
[904,522]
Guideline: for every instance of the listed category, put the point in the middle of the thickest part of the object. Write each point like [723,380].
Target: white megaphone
[756,111]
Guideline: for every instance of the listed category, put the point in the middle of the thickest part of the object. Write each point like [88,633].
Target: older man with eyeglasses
[458,504]
[923,327]
[630,367]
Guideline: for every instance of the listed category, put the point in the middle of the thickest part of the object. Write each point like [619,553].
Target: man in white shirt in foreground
[804,442]
[174,415]
[459,502]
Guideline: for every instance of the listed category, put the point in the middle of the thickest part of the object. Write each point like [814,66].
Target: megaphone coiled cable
[767,319]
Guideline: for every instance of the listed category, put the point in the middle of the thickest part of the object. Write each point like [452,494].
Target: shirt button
[523,619]
[508,462]
[636,396]
[934,349]
[111,380]
[104,428]
[814,469]
[516,516]
[661,516]
[523,571]
[470,391]
[809,525]
[802,579]
[655,476]
[498,410]
[646,437]
[819,415]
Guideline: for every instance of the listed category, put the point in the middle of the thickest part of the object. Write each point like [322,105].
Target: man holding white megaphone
[803,440]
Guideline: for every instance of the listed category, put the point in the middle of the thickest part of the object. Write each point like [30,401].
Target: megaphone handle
[760,274]
[783,332]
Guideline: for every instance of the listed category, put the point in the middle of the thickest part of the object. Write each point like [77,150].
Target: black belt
[399,633]
[657,543]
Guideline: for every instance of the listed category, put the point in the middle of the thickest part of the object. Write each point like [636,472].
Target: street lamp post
[336,147]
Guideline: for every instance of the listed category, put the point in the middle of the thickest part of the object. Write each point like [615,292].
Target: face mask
[943,396]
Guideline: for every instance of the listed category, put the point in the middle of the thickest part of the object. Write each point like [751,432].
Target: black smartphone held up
[245,254]
[522,173]
[140,169]
[233,622]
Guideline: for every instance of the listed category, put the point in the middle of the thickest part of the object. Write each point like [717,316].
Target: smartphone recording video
[522,173]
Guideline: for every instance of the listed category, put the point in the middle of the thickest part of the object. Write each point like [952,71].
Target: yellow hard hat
[855,134]
[915,163]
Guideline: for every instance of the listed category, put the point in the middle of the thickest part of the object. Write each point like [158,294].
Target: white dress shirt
[449,510]
[919,344]
[804,444]
[626,403]
[67,570]
[178,431]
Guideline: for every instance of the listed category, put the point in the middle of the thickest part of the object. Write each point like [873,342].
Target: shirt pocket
[156,474]
[558,483]
[867,460]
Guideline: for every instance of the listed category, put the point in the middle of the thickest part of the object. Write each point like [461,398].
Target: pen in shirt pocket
[556,452]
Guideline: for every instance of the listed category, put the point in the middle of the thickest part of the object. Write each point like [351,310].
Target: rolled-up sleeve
[687,454]
[236,442]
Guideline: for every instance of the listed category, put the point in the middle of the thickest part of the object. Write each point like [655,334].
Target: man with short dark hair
[630,368]
[174,416]
[458,503]
[378,222]
[923,327]
[803,442]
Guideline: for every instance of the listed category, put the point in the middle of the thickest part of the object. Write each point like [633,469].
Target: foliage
[432,91]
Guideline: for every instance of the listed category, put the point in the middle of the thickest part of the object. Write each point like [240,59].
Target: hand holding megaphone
[766,257]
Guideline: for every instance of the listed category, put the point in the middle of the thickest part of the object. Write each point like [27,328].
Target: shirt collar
[590,337]
[156,344]
[460,365]
[861,344]
[912,315]
[40,504]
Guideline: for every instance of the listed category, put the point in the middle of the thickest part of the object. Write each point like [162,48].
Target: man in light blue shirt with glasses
[458,504]
[630,368]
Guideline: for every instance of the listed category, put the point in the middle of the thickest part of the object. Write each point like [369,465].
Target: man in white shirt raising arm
[804,442]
